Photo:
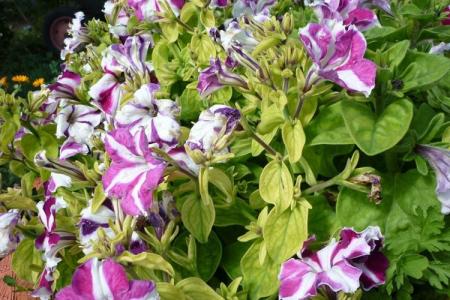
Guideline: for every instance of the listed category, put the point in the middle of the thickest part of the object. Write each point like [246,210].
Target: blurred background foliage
[23,49]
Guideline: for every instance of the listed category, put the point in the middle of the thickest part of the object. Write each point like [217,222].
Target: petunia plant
[235,149]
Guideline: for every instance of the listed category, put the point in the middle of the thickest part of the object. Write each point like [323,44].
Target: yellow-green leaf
[294,140]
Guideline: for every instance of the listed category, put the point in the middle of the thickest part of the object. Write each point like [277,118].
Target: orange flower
[3,81]
[20,78]
[38,82]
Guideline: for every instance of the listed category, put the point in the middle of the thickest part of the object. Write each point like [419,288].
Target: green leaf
[188,11]
[260,280]
[13,199]
[322,221]
[168,291]
[198,217]
[276,185]
[267,138]
[207,18]
[202,48]
[294,140]
[190,104]
[396,53]
[196,289]
[170,31]
[231,260]
[203,181]
[49,143]
[285,232]
[234,214]
[271,118]
[409,214]
[24,257]
[147,260]
[421,70]
[98,198]
[373,134]
[328,128]
[414,265]
[208,255]
[222,181]
[30,146]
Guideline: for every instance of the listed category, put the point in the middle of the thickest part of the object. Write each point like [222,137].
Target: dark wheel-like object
[55,27]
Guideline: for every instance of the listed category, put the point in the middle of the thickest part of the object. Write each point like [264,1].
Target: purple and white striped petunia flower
[91,222]
[134,172]
[137,245]
[382,4]
[337,53]
[350,12]
[219,3]
[439,159]
[162,213]
[51,241]
[117,24]
[56,181]
[373,266]
[440,48]
[341,266]
[77,122]
[150,10]
[210,133]
[258,9]
[107,93]
[156,116]
[65,87]
[78,36]
[215,77]
[44,287]
[235,35]
[8,238]
[70,148]
[98,280]
[179,155]
[132,55]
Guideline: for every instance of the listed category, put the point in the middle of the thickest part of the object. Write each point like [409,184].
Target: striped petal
[106,93]
[338,55]
[132,55]
[91,221]
[71,148]
[134,173]
[98,280]
[298,280]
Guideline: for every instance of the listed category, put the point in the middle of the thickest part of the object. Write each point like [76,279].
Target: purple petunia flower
[258,9]
[215,77]
[96,280]
[65,87]
[8,238]
[91,222]
[156,116]
[77,123]
[212,129]
[117,23]
[439,159]
[134,172]
[350,12]
[341,265]
[148,10]
[78,36]
[337,53]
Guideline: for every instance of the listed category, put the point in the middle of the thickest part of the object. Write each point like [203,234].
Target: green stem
[185,26]
[260,141]
[320,186]
[299,107]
